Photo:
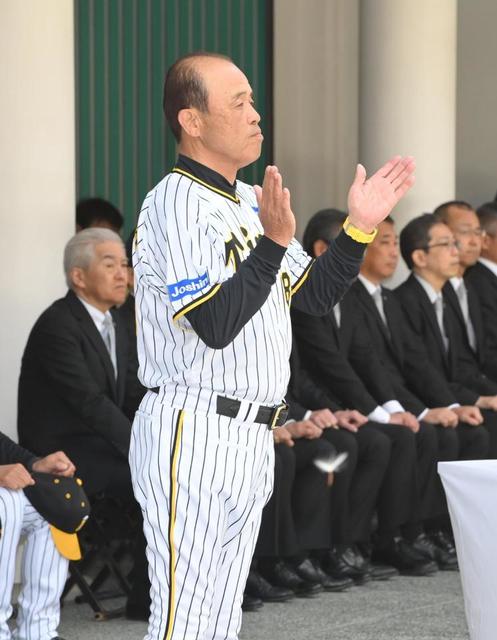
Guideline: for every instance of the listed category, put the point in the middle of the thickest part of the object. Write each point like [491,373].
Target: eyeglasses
[477,233]
[446,244]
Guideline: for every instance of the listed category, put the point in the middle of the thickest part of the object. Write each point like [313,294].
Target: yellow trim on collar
[207,185]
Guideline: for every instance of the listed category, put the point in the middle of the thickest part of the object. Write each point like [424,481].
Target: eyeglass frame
[449,244]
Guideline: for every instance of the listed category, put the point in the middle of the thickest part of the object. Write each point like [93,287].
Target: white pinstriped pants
[44,570]
[202,482]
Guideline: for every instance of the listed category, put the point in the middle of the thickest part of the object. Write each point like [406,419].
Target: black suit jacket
[416,383]
[459,367]
[303,393]
[451,299]
[327,352]
[483,284]
[12,453]
[68,395]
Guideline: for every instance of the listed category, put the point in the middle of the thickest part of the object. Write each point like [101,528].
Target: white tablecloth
[471,489]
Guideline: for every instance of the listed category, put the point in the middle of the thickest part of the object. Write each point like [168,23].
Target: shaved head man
[216,268]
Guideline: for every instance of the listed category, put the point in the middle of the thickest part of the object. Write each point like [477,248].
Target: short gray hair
[80,250]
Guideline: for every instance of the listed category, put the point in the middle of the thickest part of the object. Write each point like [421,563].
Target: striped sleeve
[181,254]
[300,264]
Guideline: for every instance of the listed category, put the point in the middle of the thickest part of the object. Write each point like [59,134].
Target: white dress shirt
[105,325]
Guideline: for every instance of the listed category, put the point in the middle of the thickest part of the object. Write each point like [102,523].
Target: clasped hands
[16,476]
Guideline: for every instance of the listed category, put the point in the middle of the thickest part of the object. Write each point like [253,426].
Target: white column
[37,172]
[408,94]
[316,62]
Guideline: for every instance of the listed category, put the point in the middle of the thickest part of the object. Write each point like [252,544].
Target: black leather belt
[274,417]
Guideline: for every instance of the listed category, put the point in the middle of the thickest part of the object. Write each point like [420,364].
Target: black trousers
[296,518]
[118,485]
[398,497]
[490,424]
[356,487]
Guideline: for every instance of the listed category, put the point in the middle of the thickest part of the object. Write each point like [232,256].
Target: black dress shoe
[328,582]
[137,612]
[380,571]
[250,603]
[258,587]
[307,571]
[442,540]
[425,546]
[282,575]
[347,563]
[401,555]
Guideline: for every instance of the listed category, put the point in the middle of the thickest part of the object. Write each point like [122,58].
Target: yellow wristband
[358,235]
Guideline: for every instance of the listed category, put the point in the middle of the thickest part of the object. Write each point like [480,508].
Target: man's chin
[250,158]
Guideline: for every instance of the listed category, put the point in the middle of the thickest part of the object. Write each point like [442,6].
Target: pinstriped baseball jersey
[190,238]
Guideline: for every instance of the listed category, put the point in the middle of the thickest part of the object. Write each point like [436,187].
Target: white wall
[37,172]
[476,140]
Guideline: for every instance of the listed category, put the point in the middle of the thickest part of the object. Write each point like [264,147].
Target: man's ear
[419,258]
[319,247]
[485,241]
[77,277]
[190,122]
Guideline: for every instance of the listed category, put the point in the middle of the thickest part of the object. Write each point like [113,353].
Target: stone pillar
[408,94]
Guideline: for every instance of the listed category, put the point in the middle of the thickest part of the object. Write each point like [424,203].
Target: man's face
[382,255]
[104,283]
[441,257]
[489,244]
[230,128]
[466,229]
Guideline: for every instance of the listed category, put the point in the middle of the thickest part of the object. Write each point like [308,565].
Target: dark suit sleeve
[61,359]
[12,453]
[327,365]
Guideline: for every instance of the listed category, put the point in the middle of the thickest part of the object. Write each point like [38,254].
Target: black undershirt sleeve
[330,276]
[219,320]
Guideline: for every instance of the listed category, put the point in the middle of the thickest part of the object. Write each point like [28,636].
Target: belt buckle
[278,416]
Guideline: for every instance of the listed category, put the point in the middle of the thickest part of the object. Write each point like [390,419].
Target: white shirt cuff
[379,415]
[422,414]
[307,414]
[393,406]
[455,405]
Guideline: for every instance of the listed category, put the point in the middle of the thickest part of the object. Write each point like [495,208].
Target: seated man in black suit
[78,388]
[44,569]
[430,250]
[482,277]
[459,291]
[324,346]
[411,374]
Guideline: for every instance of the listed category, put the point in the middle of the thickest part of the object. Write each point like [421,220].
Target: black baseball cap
[63,503]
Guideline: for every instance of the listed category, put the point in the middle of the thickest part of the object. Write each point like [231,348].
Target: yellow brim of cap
[67,543]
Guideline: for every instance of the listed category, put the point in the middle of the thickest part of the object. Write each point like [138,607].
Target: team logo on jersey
[187,287]
[237,249]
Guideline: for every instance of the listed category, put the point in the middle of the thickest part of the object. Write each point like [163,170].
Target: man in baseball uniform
[216,269]
[44,569]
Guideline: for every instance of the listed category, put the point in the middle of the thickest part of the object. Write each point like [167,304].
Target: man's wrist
[358,232]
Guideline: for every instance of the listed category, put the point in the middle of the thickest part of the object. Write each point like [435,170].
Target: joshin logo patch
[187,287]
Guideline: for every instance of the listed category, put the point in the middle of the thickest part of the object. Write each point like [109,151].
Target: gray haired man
[78,387]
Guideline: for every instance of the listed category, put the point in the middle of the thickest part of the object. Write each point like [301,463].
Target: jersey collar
[206,176]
